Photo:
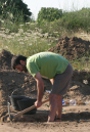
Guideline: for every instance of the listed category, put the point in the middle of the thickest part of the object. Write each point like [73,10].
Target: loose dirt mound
[24,83]
[10,81]
[72,48]
[5,60]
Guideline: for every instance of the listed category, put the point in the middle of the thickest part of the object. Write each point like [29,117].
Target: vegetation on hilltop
[27,38]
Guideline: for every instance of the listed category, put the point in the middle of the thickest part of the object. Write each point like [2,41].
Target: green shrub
[49,14]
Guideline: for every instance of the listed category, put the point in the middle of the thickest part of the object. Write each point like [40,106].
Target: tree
[49,14]
[15,8]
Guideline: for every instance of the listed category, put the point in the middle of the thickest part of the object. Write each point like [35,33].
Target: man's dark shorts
[62,81]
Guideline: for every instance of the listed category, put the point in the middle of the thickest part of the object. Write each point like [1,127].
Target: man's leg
[59,107]
[53,107]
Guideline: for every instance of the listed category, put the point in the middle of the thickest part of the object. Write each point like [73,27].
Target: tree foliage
[13,9]
[49,14]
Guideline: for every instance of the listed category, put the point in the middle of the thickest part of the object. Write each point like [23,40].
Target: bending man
[52,66]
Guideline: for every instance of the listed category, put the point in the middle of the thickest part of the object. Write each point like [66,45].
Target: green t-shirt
[47,63]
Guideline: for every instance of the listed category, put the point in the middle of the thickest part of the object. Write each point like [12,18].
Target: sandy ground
[74,118]
[62,127]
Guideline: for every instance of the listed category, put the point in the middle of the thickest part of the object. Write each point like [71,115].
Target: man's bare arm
[40,87]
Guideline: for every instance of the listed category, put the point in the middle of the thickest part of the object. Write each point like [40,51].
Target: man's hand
[38,103]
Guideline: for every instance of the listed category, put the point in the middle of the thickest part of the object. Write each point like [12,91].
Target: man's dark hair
[16,60]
